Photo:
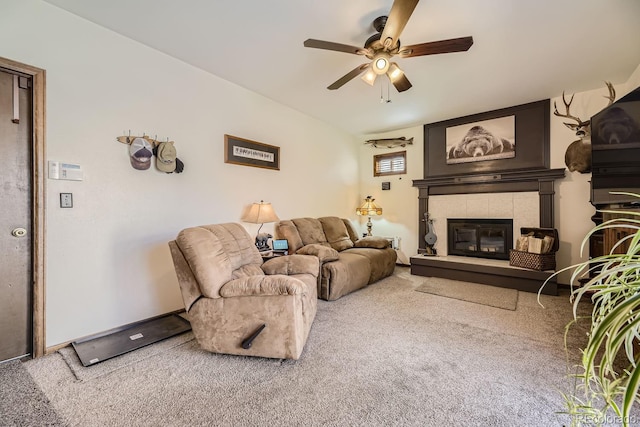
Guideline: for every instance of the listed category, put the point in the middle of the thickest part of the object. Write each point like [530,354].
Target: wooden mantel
[530,180]
[540,180]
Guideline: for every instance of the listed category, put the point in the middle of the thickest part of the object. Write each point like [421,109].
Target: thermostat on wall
[68,171]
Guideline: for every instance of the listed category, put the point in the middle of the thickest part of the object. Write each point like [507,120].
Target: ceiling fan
[385,44]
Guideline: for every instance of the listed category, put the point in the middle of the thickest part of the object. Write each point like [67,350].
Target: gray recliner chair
[229,293]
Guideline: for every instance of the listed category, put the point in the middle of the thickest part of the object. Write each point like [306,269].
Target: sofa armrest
[292,264]
[372,242]
[276,284]
[323,253]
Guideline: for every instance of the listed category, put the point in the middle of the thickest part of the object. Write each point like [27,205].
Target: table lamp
[369,209]
[259,213]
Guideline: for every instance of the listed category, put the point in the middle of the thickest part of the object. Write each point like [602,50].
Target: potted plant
[608,376]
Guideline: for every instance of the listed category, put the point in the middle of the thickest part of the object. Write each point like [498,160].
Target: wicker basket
[540,262]
[532,261]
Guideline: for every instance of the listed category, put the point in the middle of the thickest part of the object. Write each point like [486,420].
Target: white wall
[400,203]
[573,210]
[108,262]
[633,82]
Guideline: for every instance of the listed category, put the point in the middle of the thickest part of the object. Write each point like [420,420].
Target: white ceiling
[523,51]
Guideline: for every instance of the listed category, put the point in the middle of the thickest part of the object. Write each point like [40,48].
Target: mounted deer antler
[578,154]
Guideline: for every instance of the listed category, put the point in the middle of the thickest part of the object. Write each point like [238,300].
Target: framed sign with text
[240,151]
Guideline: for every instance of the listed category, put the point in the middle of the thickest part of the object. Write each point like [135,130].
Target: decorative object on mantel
[259,213]
[578,154]
[390,142]
[430,238]
[369,208]
[168,161]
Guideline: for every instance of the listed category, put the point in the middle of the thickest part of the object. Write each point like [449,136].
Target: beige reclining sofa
[347,263]
[229,293]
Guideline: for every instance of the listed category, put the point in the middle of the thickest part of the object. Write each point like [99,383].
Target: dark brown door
[16,118]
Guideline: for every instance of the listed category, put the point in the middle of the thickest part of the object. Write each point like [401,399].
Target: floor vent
[98,348]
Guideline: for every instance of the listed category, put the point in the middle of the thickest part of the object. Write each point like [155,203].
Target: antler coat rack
[155,144]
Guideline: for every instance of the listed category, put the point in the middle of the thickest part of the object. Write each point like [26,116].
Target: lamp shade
[369,208]
[259,213]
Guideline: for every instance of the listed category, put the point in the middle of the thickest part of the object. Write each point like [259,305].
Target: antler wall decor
[578,154]
[165,156]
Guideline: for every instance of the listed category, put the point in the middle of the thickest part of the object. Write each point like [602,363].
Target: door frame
[38,197]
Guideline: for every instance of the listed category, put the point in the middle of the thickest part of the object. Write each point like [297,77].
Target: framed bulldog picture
[513,138]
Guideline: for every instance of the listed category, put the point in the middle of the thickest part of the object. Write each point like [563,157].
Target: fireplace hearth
[481,238]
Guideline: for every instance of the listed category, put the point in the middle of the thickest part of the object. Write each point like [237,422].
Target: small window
[390,164]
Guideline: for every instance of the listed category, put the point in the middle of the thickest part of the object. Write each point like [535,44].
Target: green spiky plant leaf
[609,374]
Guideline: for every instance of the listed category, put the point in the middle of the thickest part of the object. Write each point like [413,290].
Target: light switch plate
[66,200]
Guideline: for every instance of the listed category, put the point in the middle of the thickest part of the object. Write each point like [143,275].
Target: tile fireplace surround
[524,196]
[522,208]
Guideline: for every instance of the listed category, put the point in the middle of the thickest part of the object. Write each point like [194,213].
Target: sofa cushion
[288,231]
[353,234]
[381,261]
[372,242]
[215,252]
[324,253]
[277,284]
[336,233]
[310,230]
[345,275]
[293,264]
[248,270]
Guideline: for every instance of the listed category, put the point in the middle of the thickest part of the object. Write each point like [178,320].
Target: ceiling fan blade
[402,83]
[338,47]
[431,48]
[349,76]
[398,16]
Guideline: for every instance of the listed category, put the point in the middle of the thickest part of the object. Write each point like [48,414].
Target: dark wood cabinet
[603,242]
[612,236]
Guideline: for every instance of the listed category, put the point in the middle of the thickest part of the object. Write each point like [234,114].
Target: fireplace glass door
[484,238]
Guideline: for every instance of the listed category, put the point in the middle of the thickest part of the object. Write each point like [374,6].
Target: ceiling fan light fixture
[381,47]
[394,72]
[369,77]
[381,63]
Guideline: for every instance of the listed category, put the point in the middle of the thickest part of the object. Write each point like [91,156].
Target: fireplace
[482,238]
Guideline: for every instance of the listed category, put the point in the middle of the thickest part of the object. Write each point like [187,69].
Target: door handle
[19,232]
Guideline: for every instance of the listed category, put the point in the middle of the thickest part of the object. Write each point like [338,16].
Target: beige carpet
[493,296]
[382,356]
[22,402]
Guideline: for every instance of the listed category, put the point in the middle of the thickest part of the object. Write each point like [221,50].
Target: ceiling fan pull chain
[388,92]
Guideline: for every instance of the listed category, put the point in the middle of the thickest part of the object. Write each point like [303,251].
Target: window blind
[390,164]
